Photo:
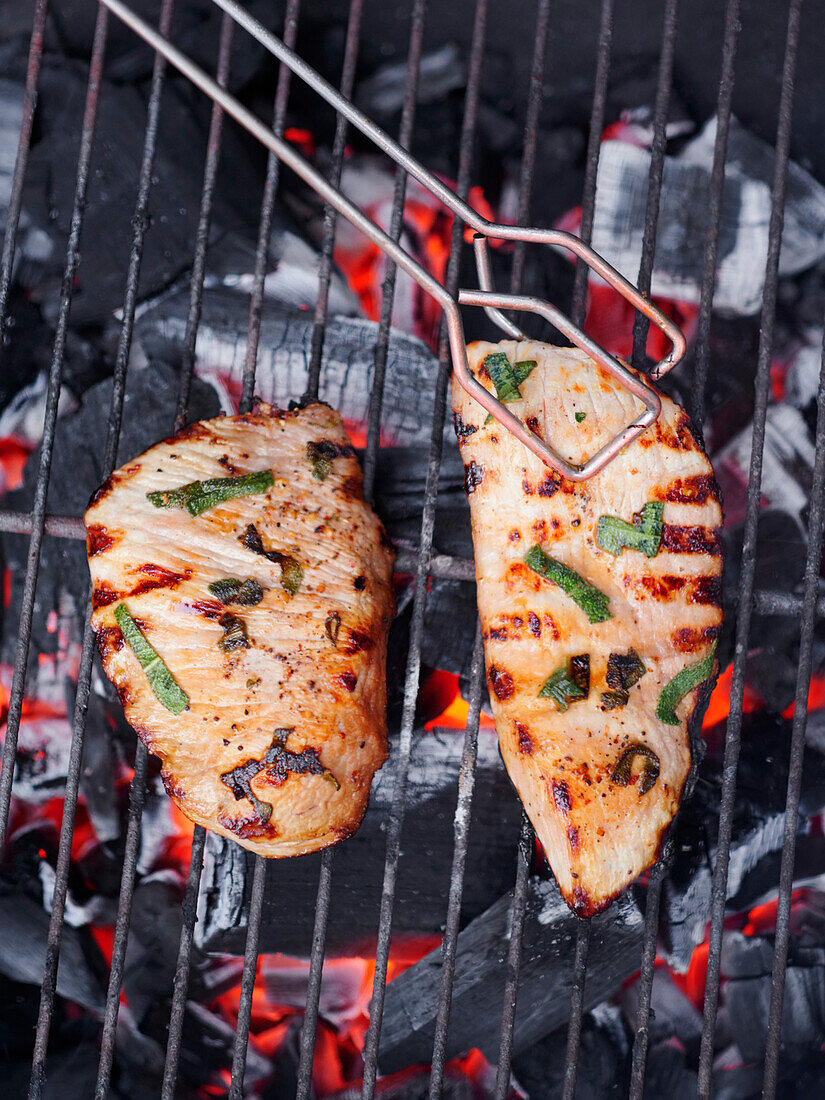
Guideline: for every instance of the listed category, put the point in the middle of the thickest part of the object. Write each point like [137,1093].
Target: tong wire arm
[486,297]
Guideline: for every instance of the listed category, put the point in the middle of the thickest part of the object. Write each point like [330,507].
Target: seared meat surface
[599,604]
[242,596]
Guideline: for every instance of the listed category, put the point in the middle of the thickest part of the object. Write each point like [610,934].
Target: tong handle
[486,297]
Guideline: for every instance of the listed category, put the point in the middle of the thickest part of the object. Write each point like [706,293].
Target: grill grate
[418,560]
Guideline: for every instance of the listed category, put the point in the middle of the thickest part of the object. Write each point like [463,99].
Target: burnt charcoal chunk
[603,1068]
[481,968]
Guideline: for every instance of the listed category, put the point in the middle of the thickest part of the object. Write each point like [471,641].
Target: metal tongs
[486,297]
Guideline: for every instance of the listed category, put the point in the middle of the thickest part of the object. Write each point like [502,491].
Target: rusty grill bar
[419,560]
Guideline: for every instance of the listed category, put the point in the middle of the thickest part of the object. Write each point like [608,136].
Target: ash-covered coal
[284,356]
[756,844]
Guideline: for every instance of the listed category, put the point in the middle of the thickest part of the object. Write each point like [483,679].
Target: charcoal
[602,1069]
[50,181]
[450,626]
[71,1063]
[381,95]
[780,563]
[424,869]
[284,355]
[746,198]
[667,1074]
[417,1087]
[746,964]
[787,474]
[99,769]
[25,927]
[154,934]
[758,823]
[672,1014]
[207,1046]
[195,31]
[77,470]
[399,497]
[481,968]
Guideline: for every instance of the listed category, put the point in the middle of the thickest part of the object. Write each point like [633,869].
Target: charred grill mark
[540,533]
[109,641]
[99,539]
[535,624]
[525,741]
[691,490]
[463,431]
[248,828]
[519,576]
[210,609]
[551,627]
[347,680]
[561,796]
[351,487]
[501,682]
[514,535]
[157,576]
[690,540]
[360,583]
[706,590]
[473,477]
[687,639]
[533,424]
[527,487]
[573,838]
[103,595]
[355,641]
[662,588]
[507,626]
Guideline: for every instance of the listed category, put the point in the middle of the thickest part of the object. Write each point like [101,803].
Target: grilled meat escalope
[241,592]
[599,605]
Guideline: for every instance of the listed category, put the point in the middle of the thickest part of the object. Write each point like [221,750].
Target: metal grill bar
[461,830]
[181,982]
[256,900]
[182,966]
[717,182]
[413,671]
[743,619]
[273,169]
[519,907]
[396,224]
[319,932]
[816,521]
[213,154]
[574,1031]
[664,82]
[21,657]
[330,214]
[594,146]
[250,965]
[139,223]
[38,523]
[535,99]
[21,162]
[640,1043]
[517,914]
